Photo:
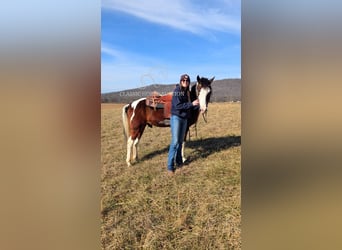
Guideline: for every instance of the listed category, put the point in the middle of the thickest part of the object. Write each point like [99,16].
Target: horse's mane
[193,94]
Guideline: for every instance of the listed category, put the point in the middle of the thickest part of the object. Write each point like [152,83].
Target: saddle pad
[158,101]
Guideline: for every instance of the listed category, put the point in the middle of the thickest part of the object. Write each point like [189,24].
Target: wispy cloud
[121,55]
[122,74]
[182,14]
[123,69]
[106,49]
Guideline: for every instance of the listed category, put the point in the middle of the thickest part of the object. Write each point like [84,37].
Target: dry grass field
[199,208]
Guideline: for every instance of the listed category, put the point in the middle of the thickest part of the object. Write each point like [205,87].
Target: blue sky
[154,42]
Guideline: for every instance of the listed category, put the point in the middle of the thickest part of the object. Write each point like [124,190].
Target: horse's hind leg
[135,149]
[129,149]
[136,142]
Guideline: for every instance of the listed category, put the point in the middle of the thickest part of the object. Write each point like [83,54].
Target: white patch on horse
[183,157]
[202,98]
[135,149]
[134,106]
[129,148]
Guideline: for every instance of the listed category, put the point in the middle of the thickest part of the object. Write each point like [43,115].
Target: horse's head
[204,92]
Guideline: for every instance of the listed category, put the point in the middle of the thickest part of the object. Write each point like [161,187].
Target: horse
[137,114]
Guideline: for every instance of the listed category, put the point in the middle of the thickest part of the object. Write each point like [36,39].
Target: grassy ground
[199,208]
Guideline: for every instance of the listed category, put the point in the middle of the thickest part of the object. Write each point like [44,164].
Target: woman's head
[184,81]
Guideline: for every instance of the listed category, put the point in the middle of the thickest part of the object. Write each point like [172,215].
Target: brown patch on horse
[136,117]
[157,101]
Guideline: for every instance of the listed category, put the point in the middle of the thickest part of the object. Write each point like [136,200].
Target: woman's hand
[195,103]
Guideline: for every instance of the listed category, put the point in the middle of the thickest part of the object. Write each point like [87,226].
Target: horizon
[166,84]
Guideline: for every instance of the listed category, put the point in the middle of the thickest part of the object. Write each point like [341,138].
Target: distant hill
[226,90]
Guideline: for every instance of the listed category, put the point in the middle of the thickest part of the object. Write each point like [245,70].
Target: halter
[198,89]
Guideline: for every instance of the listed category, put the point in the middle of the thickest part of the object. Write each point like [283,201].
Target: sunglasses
[185,80]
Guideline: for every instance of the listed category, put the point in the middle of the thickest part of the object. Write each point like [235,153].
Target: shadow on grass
[155,153]
[203,147]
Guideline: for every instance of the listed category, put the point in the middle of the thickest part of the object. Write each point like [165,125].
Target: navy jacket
[180,103]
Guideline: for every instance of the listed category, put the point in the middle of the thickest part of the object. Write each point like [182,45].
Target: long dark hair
[187,78]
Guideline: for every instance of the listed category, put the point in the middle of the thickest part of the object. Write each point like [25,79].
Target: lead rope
[195,125]
[189,100]
[197,94]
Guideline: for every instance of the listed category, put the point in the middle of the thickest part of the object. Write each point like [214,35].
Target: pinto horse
[137,115]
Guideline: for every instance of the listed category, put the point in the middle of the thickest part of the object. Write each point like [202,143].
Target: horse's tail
[125,121]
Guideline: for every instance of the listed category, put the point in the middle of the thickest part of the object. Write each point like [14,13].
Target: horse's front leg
[183,144]
[183,156]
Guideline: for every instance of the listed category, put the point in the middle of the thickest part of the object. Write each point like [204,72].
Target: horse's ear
[198,78]
[212,79]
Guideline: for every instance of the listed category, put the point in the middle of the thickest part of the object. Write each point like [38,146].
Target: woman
[180,109]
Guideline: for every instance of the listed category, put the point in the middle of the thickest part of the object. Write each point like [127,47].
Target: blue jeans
[178,127]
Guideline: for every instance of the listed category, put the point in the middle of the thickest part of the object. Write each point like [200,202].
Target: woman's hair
[187,78]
